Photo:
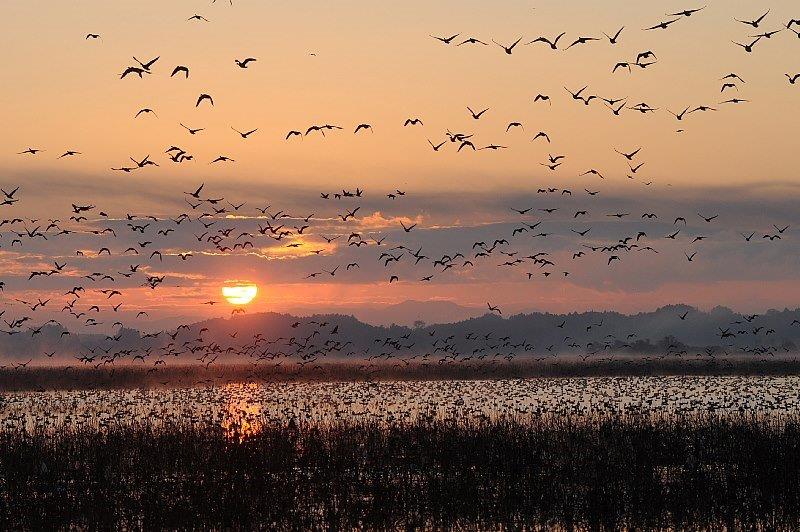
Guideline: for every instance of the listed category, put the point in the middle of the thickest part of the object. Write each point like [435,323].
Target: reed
[605,472]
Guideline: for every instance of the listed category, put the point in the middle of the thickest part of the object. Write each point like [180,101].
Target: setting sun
[239,294]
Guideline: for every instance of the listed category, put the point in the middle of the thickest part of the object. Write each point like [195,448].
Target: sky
[354,62]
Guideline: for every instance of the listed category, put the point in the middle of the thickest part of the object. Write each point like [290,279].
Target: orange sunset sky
[352,62]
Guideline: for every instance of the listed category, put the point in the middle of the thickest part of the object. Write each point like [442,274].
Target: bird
[630,155]
[577,94]
[663,25]
[472,40]
[204,97]
[466,143]
[133,70]
[680,115]
[180,68]
[686,12]
[244,62]
[747,47]
[244,134]
[147,65]
[581,40]
[196,193]
[436,147]
[475,115]
[145,111]
[407,229]
[446,40]
[754,22]
[768,34]
[192,131]
[615,38]
[543,135]
[553,44]
[644,55]
[510,48]
[621,64]
[593,172]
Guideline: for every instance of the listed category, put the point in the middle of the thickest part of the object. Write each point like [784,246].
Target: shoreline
[122,376]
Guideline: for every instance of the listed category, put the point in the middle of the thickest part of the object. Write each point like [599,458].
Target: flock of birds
[224,226]
[243,409]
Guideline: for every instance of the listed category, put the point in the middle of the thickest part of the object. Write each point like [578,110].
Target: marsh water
[245,406]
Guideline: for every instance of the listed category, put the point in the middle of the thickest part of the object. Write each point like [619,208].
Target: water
[245,406]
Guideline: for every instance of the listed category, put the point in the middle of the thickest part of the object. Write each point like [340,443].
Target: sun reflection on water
[242,417]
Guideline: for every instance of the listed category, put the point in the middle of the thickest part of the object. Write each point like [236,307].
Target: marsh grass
[598,473]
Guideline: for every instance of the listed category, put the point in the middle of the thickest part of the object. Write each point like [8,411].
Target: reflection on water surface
[241,409]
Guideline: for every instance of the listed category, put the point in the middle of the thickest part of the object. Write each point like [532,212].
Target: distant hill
[670,330]
[408,312]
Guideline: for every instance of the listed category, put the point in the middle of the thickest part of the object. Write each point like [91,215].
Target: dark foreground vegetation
[611,473]
[80,377]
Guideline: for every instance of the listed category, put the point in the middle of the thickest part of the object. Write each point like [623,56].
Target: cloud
[444,228]
[377,220]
